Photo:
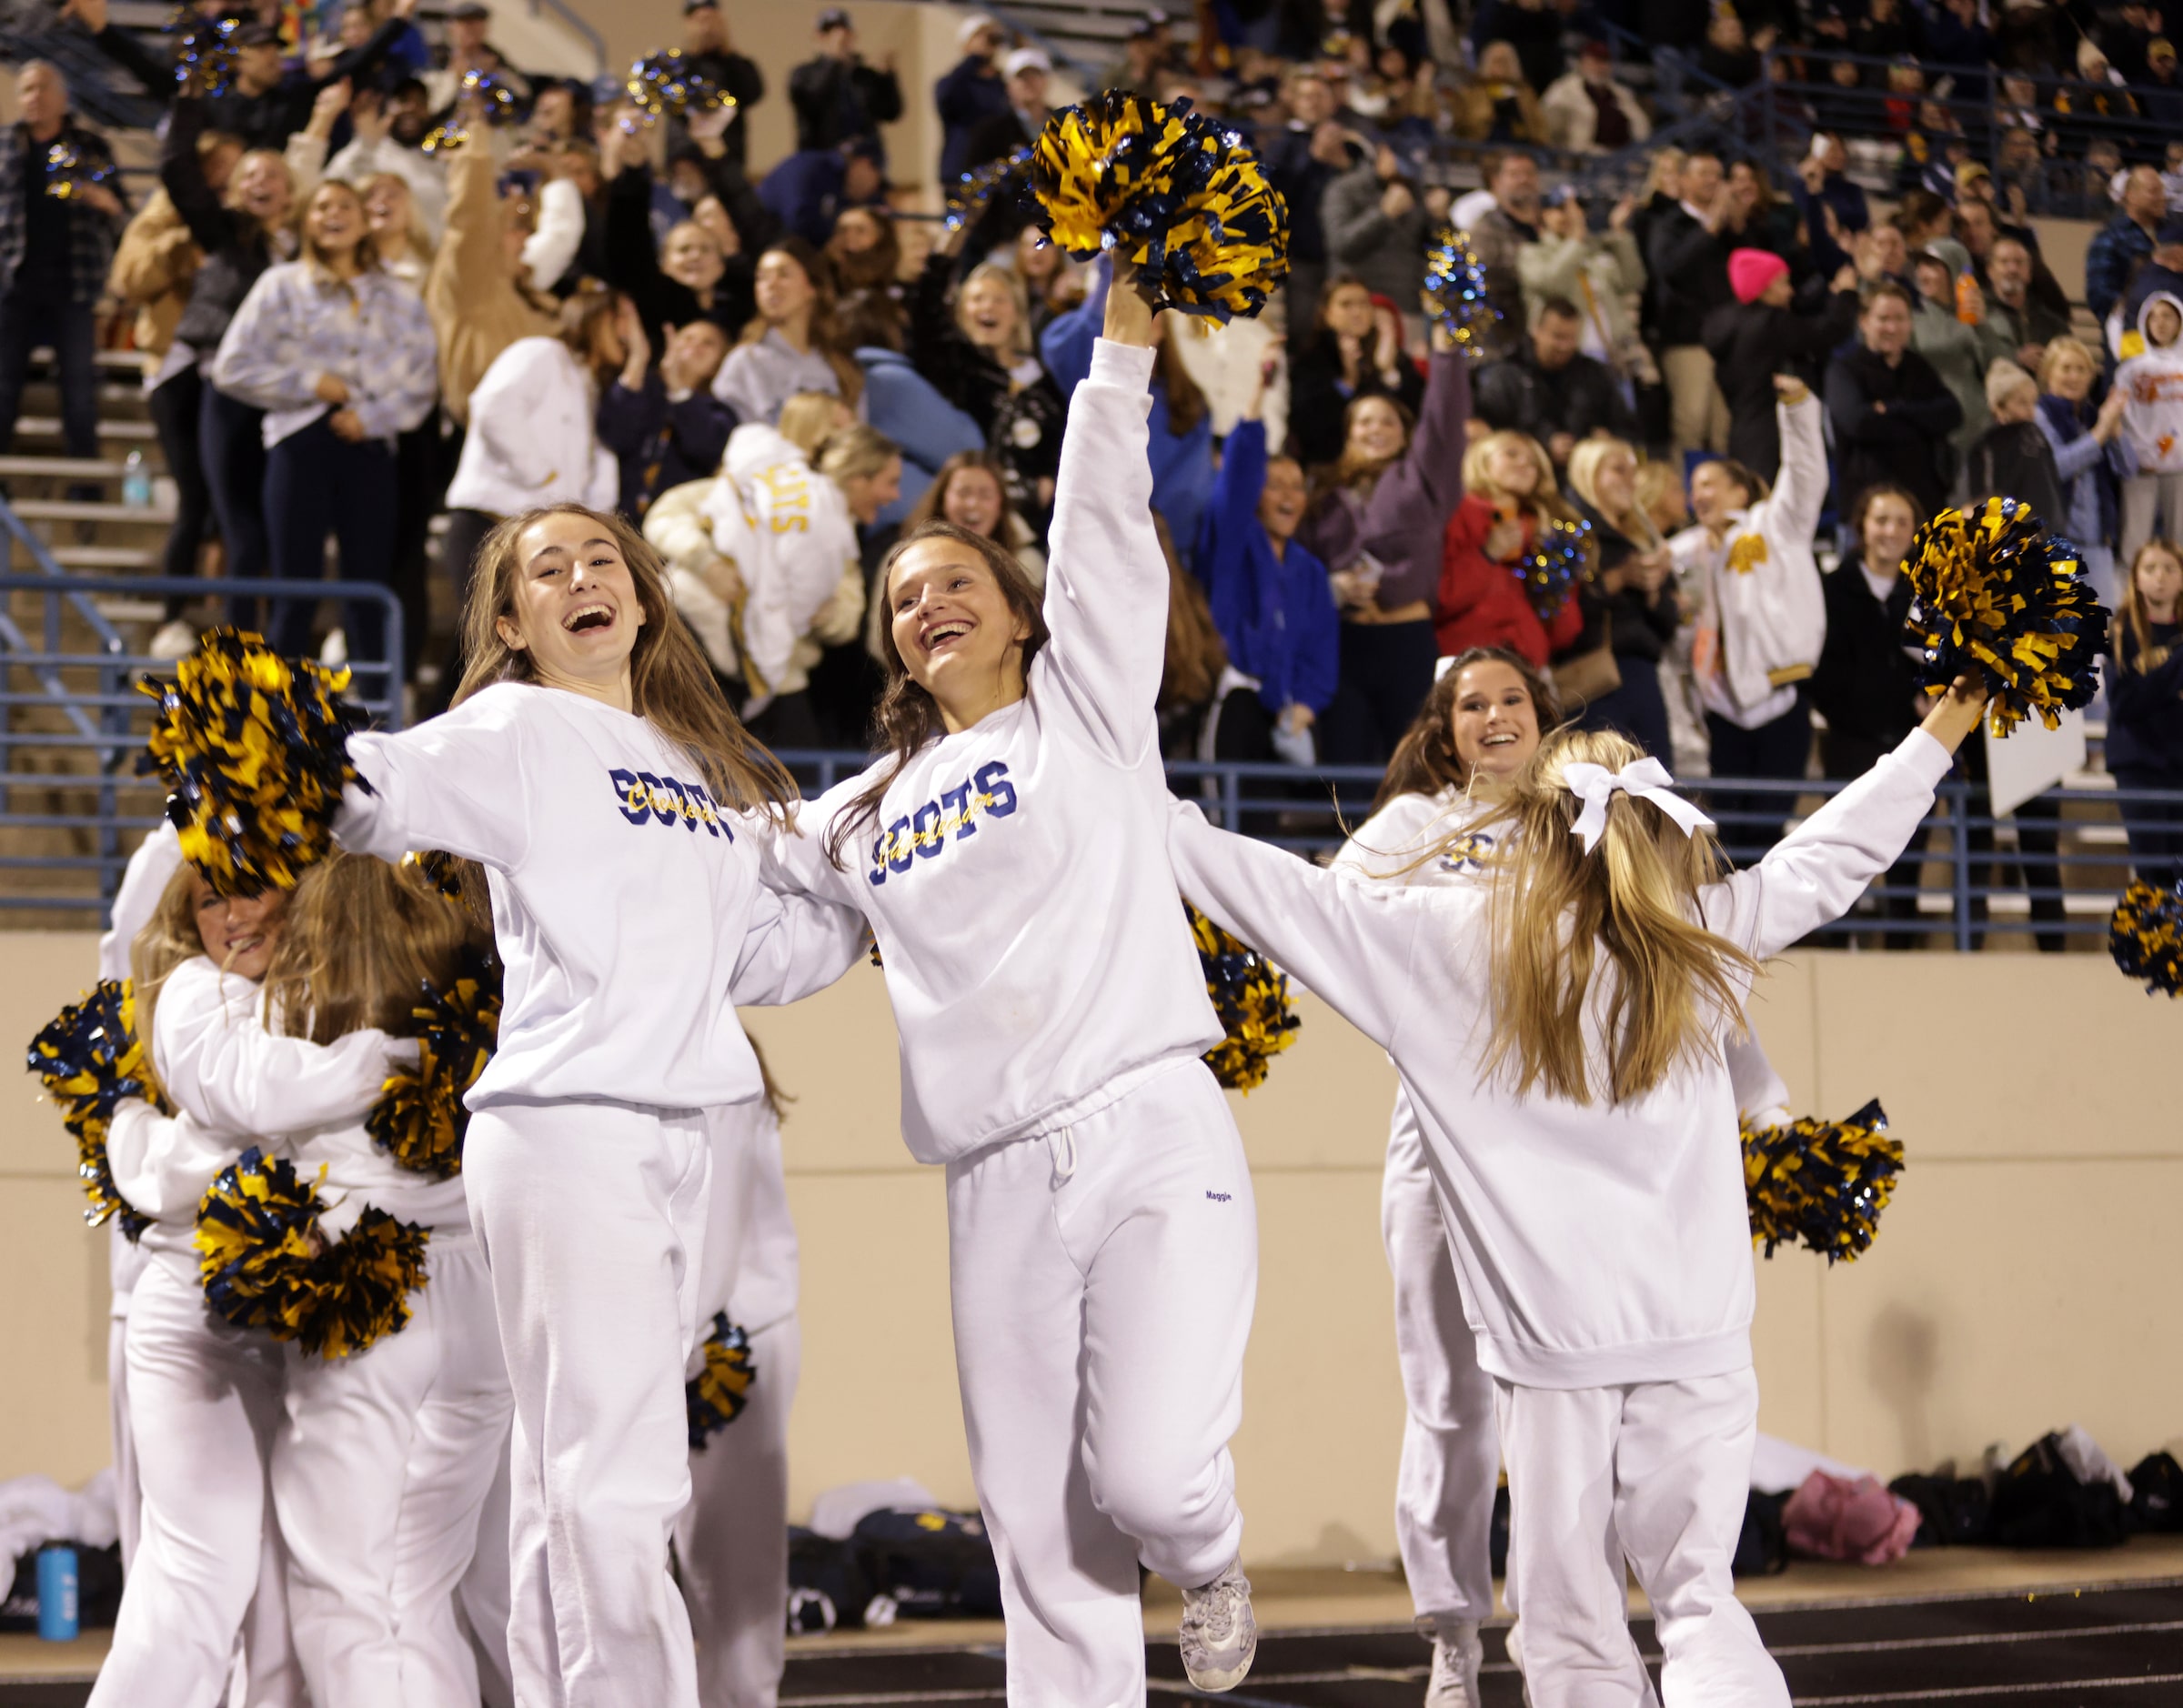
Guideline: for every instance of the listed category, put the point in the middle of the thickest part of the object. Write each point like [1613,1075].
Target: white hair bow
[1648,780]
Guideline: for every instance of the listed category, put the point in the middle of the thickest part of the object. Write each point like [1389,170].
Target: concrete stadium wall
[2027,1277]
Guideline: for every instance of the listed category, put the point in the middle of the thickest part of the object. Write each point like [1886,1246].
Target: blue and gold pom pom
[66,175]
[1168,192]
[265,1265]
[502,106]
[254,750]
[666,83]
[90,1058]
[205,49]
[1821,1184]
[2145,935]
[1251,995]
[1552,569]
[1454,296]
[973,191]
[1999,598]
[718,1393]
[420,1117]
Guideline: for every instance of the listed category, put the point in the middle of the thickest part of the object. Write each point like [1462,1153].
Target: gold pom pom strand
[1251,995]
[1821,1184]
[420,1118]
[715,1397]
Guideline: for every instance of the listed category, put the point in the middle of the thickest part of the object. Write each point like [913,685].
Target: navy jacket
[1276,614]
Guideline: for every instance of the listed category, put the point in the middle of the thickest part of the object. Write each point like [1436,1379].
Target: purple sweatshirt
[1402,523]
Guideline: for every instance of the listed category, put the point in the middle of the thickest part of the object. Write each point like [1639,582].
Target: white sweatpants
[380,1473]
[204,1403]
[732,1539]
[1660,1472]
[1451,1464]
[1103,1280]
[482,1597]
[591,1215]
[124,1265]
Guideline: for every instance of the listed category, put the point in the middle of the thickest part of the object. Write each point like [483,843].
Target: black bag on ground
[2157,1493]
[1763,1548]
[98,1589]
[2039,1504]
[827,1590]
[1953,1512]
[934,1564]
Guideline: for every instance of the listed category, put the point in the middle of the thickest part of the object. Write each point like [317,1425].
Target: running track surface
[2118,1647]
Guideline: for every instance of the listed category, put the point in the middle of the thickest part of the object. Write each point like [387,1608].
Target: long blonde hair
[672,687]
[1584,480]
[1671,988]
[168,937]
[362,938]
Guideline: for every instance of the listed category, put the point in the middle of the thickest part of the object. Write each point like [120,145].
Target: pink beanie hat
[1750,271]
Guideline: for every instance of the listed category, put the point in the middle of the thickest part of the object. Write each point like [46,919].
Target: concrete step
[48,427]
[63,468]
[75,511]
[118,607]
[104,559]
[126,361]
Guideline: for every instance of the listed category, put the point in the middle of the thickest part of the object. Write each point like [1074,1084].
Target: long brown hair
[1186,404]
[1673,986]
[826,337]
[2130,613]
[931,502]
[367,246]
[1425,761]
[363,939]
[907,717]
[168,939]
[1189,673]
[672,687]
[1355,470]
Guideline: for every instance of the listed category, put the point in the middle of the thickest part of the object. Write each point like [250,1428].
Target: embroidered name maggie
[923,833]
[648,799]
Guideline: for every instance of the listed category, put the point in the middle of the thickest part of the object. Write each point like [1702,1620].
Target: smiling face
[1885,325]
[2071,377]
[1890,522]
[387,208]
[573,605]
[691,258]
[1716,495]
[783,289]
[1375,430]
[951,623]
[1511,467]
[262,188]
[987,313]
[1281,502]
[1614,483]
[973,500]
[239,933]
[1701,180]
[1495,725]
[334,224]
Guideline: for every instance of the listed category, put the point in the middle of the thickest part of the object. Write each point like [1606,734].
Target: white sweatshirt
[532,440]
[1763,615]
[142,881]
[1597,1245]
[2152,382]
[627,906]
[1016,878]
[788,529]
[233,1084]
[1393,845]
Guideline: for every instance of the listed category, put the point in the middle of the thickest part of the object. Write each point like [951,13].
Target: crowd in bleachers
[361,304]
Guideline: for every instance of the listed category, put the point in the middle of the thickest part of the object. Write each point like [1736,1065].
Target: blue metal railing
[89,811]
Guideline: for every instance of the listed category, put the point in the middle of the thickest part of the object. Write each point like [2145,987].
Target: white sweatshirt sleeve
[143,882]
[1816,874]
[559,234]
[457,783]
[162,1164]
[795,945]
[1106,579]
[220,1065]
[1761,1096]
[1800,489]
[1349,940]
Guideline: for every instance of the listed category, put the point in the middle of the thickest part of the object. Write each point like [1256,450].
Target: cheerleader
[1102,1239]
[732,1539]
[1581,1132]
[1476,732]
[204,1397]
[591,766]
[384,1458]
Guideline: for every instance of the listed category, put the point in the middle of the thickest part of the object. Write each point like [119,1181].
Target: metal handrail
[581,26]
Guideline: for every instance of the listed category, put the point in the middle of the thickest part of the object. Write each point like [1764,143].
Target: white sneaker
[175,639]
[333,652]
[1456,1656]
[1218,1637]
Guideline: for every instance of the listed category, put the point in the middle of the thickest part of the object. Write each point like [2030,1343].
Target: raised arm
[1349,940]
[1816,874]
[1433,466]
[1106,579]
[1800,492]
[182,171]
[456,783]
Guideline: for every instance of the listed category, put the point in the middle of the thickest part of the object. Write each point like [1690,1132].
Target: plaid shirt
[91,234]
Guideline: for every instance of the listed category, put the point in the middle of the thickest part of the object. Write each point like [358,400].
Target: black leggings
[175,408]
[1386,673]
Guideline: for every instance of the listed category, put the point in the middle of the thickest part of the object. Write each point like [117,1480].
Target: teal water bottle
[57,1593]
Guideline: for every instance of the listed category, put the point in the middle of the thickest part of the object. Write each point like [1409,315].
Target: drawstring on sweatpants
[1060,1144]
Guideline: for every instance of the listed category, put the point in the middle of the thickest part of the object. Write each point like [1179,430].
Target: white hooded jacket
[2152,382]
[531,438]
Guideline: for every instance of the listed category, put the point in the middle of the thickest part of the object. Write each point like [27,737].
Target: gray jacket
[1388,255]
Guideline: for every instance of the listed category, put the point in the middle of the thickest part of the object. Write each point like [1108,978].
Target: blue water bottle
[57,1593]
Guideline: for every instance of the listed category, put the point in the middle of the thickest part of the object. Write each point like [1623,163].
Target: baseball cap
[973,25]
[256,35]
[833,18]
[1026,59]
[470,9]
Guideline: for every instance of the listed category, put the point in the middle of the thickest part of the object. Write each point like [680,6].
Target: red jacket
[1482,603]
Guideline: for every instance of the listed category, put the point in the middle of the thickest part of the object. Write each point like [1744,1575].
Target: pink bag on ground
[1834,1518]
